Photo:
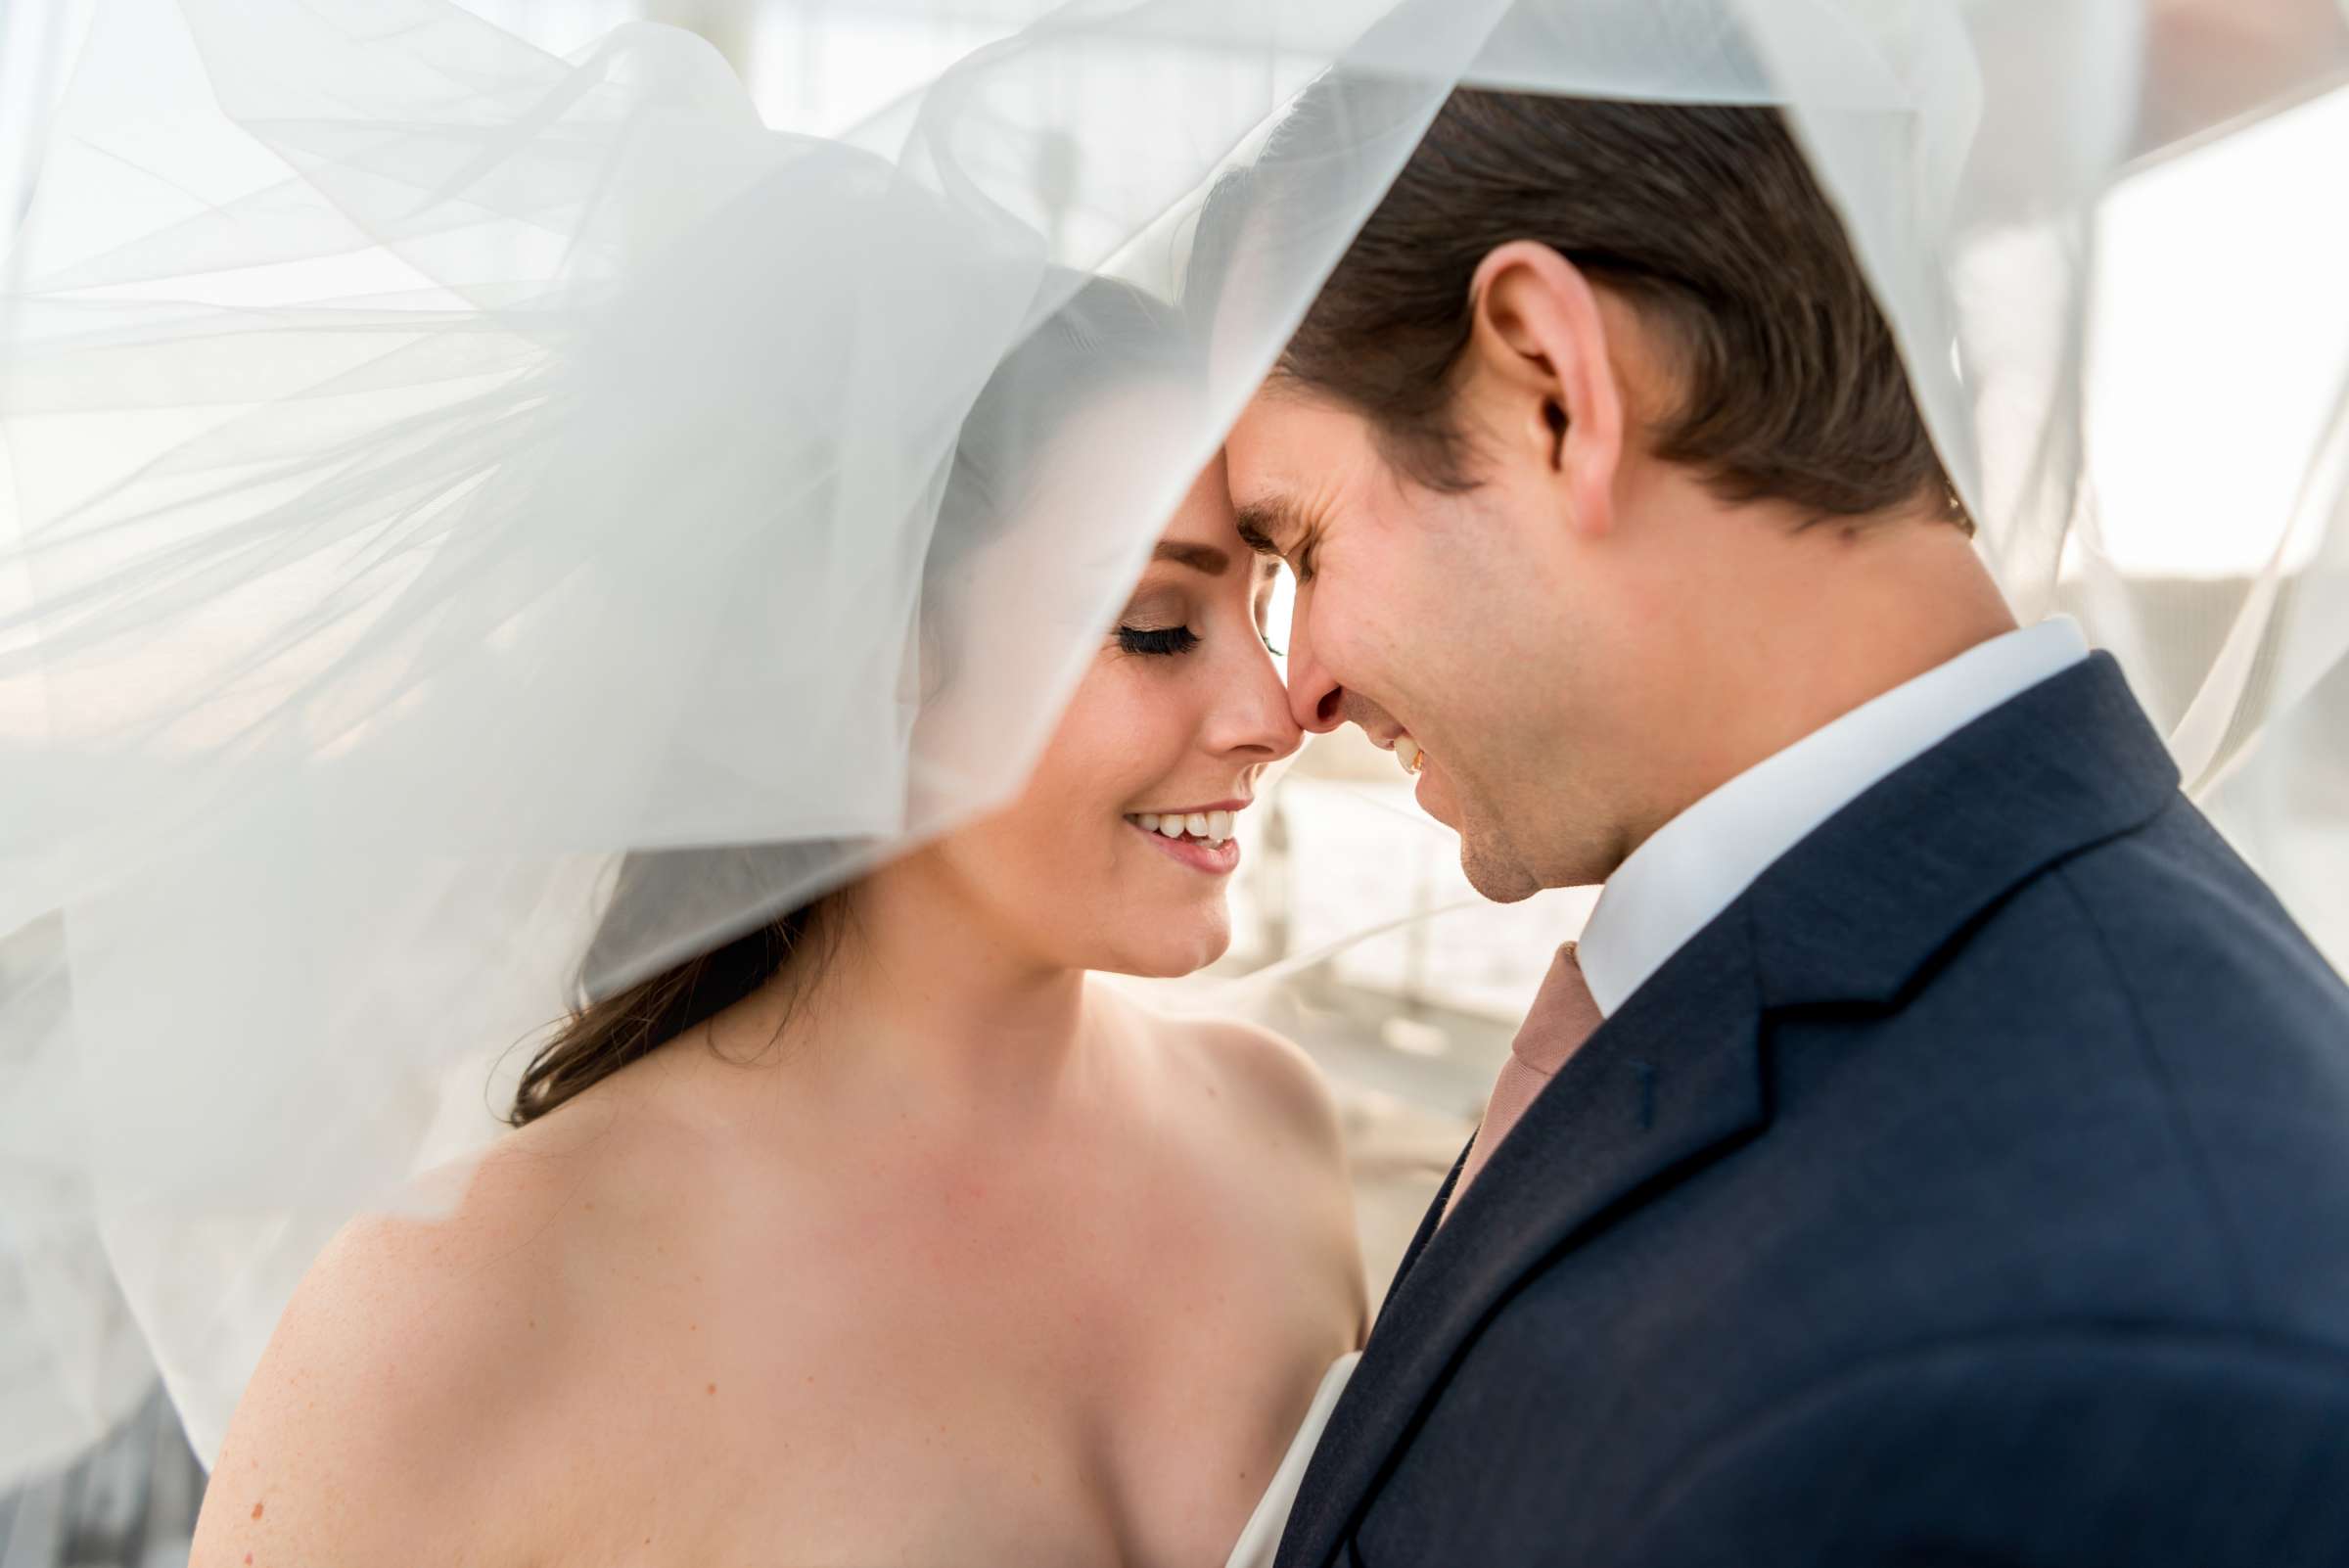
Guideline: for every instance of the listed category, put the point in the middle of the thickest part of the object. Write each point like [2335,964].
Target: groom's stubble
[1442,617]
[1575,690]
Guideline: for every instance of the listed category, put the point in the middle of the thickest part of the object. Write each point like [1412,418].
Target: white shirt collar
[1694,866]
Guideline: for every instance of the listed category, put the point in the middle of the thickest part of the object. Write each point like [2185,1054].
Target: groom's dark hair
[1705,217]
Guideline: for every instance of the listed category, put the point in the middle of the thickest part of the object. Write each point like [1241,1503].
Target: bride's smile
[1200,837]
[1115,853]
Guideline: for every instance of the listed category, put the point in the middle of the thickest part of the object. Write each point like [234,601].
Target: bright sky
[2219,341]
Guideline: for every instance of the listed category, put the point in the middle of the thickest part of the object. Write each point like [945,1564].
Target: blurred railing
[131,1504]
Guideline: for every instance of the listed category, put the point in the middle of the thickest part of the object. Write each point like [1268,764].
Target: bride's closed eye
[1157,640]
[1175,640]
[1157,621]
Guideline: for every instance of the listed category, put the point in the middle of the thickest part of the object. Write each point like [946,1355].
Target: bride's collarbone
[846,1234]
[891,1341]
[867,1415]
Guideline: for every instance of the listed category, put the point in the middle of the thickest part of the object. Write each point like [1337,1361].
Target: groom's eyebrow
[1198,557]
[1264,522]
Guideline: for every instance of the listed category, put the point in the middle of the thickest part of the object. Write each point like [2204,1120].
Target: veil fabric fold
[442,469]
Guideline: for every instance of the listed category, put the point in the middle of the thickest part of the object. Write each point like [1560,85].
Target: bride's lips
[1200,854]
[1216,860]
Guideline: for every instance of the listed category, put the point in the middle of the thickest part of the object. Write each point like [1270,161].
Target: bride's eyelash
[1169,640]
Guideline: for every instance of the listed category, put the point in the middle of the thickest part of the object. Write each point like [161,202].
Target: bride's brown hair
[1107,332]
[605,1033]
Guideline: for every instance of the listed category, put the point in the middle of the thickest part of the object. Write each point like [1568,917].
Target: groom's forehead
[1258,466]
[1279,428]
[1289,448]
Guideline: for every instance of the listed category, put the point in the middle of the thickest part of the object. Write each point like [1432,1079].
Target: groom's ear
[1540,368]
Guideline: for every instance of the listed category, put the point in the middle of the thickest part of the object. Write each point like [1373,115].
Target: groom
[1937,1148]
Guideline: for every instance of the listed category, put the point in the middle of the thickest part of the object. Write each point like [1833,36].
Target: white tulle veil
[443,468]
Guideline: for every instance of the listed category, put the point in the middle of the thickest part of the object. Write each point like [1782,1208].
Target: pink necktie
[1562,1018]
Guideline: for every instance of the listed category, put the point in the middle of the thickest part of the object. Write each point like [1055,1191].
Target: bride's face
[1172,724]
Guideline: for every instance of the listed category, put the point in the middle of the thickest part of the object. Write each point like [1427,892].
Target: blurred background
[1411,1022]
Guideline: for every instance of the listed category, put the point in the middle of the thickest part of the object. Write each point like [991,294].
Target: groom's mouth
[1407,753]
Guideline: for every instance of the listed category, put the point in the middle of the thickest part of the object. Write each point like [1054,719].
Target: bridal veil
[449,462]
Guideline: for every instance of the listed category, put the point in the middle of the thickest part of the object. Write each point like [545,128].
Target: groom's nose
[1315,701]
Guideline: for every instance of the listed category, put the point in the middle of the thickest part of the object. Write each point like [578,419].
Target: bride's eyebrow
[1198,557]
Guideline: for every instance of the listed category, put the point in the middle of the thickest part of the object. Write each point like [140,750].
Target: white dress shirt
[1671,887]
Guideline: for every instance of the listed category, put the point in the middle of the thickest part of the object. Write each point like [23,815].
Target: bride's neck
[925,995]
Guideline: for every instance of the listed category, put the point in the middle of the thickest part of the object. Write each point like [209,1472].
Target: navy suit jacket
[1974,1189]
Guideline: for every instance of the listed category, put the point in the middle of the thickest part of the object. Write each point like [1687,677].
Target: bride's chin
[1183,942]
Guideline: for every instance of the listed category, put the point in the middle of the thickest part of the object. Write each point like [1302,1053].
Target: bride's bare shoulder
[1257,1074]
[1272,1118]
[408,1386]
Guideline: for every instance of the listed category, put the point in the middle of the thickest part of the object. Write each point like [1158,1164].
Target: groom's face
[1421,618]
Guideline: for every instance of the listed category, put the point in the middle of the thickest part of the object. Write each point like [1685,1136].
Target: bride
[879,1234]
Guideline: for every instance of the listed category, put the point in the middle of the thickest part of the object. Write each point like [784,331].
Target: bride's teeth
[1406,752]
[1213,826]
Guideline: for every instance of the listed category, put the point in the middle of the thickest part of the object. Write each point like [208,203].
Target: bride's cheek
[1094,767]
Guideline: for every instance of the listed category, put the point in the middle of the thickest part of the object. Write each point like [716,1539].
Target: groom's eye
[1252,533]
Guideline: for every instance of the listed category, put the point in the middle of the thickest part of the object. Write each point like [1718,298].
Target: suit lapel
[1671,1077]
[1853,913]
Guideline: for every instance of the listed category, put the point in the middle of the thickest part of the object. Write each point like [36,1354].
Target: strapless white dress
[1261,1538]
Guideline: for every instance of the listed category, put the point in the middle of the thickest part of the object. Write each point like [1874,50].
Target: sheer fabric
[443,467]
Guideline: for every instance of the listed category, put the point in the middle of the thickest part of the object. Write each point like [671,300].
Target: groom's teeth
[1406,752]
[1218,826]
[1149,821]
[1171,826]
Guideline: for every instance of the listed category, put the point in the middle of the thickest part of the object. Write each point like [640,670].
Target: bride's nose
[1249,716]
